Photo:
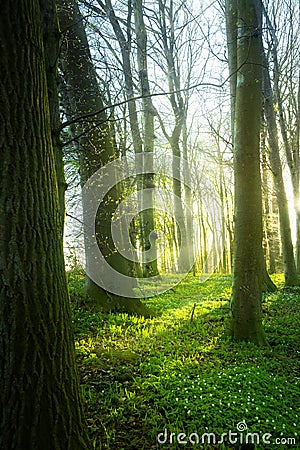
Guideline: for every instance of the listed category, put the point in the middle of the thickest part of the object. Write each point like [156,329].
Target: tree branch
[139,97]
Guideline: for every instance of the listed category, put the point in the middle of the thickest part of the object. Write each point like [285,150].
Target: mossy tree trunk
[40,403]
[247,257]
[51,40]
[231,7]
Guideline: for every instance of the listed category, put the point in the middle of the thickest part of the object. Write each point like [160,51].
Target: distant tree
[147,179]
[271,240]
[132,45]
[222,155]
[168,30]
[40,402]
[247,252]
[231,34]
[290,272]
[95,147]
[284,63]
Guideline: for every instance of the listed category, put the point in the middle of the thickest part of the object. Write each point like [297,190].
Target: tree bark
[51,39]
[247,264]
[40,403]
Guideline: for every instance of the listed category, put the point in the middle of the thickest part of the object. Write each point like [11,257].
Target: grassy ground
[170,374]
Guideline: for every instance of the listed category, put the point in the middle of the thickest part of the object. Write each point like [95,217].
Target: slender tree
[147,179]
[142,131]
[290,272]
[286,89]
[231,34]
[168,13]
[95,148]
[271,232]
[247,253]
[40,402]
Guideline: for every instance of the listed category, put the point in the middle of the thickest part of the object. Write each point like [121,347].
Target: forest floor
[145,381]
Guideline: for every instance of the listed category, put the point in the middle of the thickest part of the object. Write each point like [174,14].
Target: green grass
[142,376]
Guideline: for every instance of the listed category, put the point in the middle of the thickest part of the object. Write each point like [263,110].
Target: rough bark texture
[40,403]
[51,40]
[247,264]
[96,149]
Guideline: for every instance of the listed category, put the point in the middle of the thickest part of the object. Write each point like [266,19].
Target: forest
[149,224]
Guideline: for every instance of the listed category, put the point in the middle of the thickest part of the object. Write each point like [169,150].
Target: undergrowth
[145,381]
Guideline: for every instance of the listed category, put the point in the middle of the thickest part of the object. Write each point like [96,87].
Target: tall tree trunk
[231,34]
[51,38]
[179,107]
[267,198]
[290,140]
[40,403]
[180,234]
[247,265]
[267,283]
[96,149]
[147,179]
[297,192]
[190,256]
[140,144]
[290,272]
